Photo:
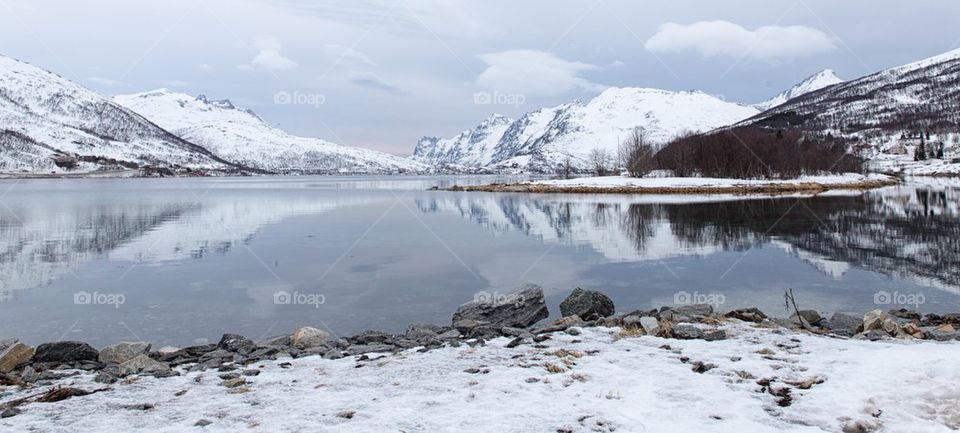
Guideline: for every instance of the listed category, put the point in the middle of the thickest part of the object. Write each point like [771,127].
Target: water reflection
[907,232]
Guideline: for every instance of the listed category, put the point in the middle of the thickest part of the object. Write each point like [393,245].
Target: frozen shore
[694,185]
[686,368]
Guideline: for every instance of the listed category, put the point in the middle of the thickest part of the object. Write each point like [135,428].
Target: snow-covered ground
[602,383]
[707,182]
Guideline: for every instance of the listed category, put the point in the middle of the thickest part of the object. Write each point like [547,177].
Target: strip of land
[692,185]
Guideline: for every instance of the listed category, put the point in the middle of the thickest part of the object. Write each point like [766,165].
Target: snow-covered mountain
[820,80]
[240,135]
[543,139]
[50,124]
[473,147]
[919,96]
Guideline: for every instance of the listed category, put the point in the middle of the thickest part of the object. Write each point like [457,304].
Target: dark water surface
[172,261]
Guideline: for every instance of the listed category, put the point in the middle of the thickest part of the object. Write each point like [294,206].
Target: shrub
[756,153]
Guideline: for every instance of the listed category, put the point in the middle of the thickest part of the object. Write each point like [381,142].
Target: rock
[904,313]
[13,355]
[419,331]
[587,304]
[202,423]
[307,338]
[715,335]
[941,333]
[450,335]
[687,332]
[519,309]
[65,352]
[10,412]
[877,320]
[632,321]
[236,344]
[166,350]
[29,375]
[843,324]
[650,325]
[573,331]
[810,317]
[747,315]
[234,383]
[142,364]
[371,337]
[699,310]
[515,332]
[279,341]
[123,352]
[360,349]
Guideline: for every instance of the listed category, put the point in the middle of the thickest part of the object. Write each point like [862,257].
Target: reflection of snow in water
[56,238]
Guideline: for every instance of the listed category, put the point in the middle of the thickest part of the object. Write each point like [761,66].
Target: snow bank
[707,182]
[607,384]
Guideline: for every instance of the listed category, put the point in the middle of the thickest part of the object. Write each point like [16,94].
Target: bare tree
[565,169]
[638,154]
[600,159]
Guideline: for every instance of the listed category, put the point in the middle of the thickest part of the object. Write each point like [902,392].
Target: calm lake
[176,261]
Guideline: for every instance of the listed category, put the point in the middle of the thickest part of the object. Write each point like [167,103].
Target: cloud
[372,81]
[106,81]
[269,57]
[726,39]
[339,53]
[534,73]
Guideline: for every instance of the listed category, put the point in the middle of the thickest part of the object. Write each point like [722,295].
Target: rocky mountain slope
[820,80]
[543,139]
[50,124]
[240,135]
[920,96]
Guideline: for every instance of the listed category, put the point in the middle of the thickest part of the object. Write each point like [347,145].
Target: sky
[381,74]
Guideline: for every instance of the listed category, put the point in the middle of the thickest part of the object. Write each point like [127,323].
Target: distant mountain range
[50,124]
[241,136]
[543,139]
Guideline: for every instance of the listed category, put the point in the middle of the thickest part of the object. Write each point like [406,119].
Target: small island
[744,160]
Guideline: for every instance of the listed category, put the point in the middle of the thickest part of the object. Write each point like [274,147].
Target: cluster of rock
[879,325]
[517,316]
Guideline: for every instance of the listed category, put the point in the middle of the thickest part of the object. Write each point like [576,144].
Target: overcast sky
[381,74]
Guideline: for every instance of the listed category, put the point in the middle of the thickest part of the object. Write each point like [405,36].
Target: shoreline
[668,186]
[505,339]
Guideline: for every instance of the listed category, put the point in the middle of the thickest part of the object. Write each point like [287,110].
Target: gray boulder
[123,352]
[687,332]
[142,364]
[587,304]
[810,317]
[650,325]
[307,338]
[65,351]
[843,324]
[519,309]
[236,344]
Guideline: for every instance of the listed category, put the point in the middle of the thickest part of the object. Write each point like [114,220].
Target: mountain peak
[820,80]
